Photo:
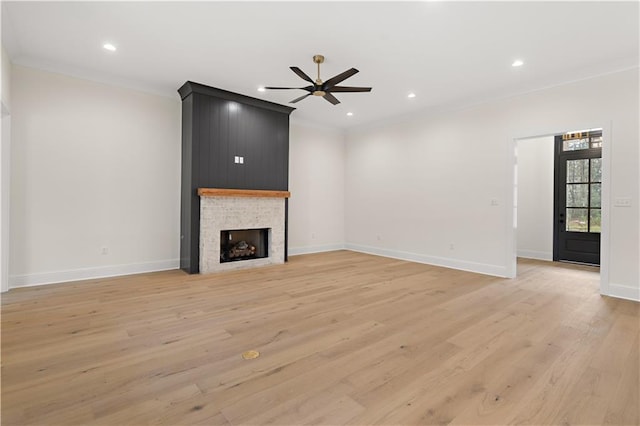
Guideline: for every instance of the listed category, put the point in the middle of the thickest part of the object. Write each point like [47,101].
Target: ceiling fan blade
[329,97]
[300,98]
[346,89]
[307,88]
[338,78]
[301,74]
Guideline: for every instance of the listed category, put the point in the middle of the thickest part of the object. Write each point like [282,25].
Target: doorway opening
[583,211]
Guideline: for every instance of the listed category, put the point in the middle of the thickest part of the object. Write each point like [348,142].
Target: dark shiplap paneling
[217,126]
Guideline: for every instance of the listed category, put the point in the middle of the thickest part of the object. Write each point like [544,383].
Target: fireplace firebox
[243,244]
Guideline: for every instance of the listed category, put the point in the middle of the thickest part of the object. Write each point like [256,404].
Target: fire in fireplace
[243,244]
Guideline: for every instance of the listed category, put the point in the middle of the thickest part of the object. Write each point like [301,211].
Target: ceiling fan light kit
[324,89]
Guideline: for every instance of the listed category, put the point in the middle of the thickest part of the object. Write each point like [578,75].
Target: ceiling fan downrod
[318,59]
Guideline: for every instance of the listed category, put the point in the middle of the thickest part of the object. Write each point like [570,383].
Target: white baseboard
[29,280]
[624,292]
[294,251]
[532,254]
[480,268]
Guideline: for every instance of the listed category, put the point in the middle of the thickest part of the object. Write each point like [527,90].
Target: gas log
[241,249]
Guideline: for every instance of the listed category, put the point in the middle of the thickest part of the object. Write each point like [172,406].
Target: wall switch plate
[241,160]
[236,159]
[622,202]
[494,202]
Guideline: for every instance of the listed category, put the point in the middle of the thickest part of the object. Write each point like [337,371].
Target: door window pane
[578,170]
[577,220]
[595,220]
[578,195]
[595,194]
[596,170]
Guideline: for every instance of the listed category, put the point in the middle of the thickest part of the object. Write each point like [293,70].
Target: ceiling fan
[323,88]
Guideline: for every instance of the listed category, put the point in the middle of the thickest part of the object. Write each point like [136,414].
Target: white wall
[93,166]
[316,182]
[535,198]
[421,188]
[98,166]
[5,162]
[6,78]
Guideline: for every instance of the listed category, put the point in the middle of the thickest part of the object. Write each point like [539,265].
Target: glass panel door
[578,182]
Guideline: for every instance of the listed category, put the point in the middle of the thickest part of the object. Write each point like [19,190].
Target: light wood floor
[345,338]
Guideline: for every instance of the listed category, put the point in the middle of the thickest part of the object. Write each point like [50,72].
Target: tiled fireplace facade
[219,213]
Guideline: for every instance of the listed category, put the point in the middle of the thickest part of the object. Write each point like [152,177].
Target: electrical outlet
[104,250]
[451,246]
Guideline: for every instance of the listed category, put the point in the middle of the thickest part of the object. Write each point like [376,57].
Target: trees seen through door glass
[583,195]
[575,144]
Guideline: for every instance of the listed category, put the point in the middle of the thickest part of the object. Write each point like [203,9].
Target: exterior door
[578,182]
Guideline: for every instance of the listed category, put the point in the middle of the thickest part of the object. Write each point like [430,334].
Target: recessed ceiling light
[411,95]
[517,63]
[349,114]
[110,47]
[261,89]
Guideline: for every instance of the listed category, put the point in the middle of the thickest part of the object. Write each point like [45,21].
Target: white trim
[462,265]
[95,77]
[533,254]
[5,197]
[624,292]
[472,103]
[29,280]
[295,251]
[511,228]
[605,204]
[605,239]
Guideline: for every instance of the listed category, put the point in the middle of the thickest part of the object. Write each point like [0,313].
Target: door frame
[560,158]
[511,196]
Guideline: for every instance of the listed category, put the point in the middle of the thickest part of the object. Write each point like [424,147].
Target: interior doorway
[539,172]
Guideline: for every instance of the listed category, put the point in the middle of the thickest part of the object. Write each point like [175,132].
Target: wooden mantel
[219,192]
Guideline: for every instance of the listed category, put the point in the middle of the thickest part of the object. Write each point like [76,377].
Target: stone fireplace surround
[222,209]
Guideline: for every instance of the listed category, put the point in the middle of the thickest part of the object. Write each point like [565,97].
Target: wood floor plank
[344,338]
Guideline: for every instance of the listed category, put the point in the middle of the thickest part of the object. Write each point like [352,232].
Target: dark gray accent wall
[217,126]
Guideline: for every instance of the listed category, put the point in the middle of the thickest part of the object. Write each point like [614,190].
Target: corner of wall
[5,163]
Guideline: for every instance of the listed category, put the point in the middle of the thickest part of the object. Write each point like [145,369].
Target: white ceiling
[451,54]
